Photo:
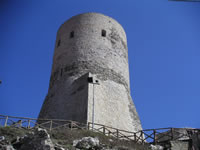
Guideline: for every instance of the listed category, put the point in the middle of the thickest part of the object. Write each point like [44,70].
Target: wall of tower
[88,50]
[96,44]
[113,105]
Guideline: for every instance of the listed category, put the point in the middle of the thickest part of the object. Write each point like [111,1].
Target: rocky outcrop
[40,139]
[87,143]
[37,140]
[156,147]
[4,144]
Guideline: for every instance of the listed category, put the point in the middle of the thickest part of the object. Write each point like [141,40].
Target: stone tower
[90,74]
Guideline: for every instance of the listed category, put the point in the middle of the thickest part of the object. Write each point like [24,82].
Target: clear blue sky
[164,55]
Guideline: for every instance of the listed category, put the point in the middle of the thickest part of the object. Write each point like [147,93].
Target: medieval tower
[90,75]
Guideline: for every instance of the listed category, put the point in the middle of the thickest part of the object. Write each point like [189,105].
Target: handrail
[139,136]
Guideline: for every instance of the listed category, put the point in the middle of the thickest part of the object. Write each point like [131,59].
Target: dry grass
[65,138]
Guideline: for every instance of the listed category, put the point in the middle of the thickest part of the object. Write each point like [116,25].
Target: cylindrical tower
[91,45]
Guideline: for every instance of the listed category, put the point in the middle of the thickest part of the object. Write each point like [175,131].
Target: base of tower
[91,99]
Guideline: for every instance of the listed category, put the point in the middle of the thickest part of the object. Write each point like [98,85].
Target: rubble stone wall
[96,44]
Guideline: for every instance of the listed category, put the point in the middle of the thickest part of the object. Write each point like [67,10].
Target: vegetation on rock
[64,139]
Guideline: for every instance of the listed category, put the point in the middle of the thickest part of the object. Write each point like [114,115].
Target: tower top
[93,14]
[96,20]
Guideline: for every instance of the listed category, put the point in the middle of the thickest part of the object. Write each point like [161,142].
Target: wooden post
[135,137]
[50,125]
[154,136]
[6,121]
[141,136]
[20,123]
[28,124]
[109,133]
[172,135]
[71,125]
[88,126]
[104,131]
[117,134]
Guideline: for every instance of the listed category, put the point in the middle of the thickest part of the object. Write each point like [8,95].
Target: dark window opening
[58,43]
[61,72]
[72,34]
[103,33]
[90,79]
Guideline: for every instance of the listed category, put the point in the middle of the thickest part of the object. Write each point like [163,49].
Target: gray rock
[110,140]
[58,147]
[196,140]
[41,133]
[6,147]
[2,138]
[17,140]
[39,141]
[121,148]
[4,144]
[86,143]
[156,147]
[179,145]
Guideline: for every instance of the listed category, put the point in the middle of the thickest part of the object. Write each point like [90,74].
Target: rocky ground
[63,139]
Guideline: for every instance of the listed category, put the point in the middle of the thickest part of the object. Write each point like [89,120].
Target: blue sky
[164,55]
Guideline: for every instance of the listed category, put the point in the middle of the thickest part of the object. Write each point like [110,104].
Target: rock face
[156,147]
[91,45]
[179,145]
[196,141]
[4,144]
[40,140]
[87,143]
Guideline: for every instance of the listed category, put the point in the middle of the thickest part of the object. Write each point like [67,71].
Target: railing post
[88,126]
[172,135]
[104,130]
[154,136]
[117,134]
[71,125]
[141,136]
[50,125]
[28,124]
[135,137]
[108,133]
[6,121]
[20,123]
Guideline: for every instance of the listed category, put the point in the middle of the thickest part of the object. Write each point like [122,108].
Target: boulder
[2,138]
[87,143]
[58,147]
[39,141]
[6,147]
[4,144]
[156,147]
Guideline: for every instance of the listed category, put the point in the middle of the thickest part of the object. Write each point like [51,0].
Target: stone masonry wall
[111,107]
[94,43]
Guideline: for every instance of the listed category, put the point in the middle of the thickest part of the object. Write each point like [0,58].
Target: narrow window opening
[61,72]
[58,43]
[90,79]
[72,34]
[103,33]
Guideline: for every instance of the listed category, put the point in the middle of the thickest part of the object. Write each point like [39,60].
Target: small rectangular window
[61,72]
[90,79]
[58,43]
[72,34]
[103,33]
